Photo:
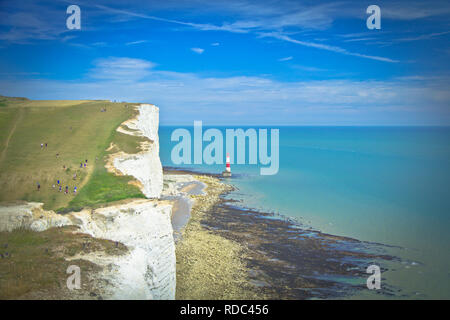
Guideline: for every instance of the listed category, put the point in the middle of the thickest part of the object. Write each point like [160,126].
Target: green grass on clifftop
[76,130]
[104,186]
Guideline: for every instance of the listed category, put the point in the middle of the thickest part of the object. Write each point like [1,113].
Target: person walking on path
[75,190]
[60,188]
[38,186]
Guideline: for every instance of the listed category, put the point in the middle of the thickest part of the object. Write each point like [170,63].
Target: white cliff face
[144,226]
[145,166]
[30,216]
[147,271]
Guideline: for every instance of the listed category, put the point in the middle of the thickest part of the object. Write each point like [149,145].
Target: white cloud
[307,68]
[30,23]
[135,42]
[325,47]
[100,44]
[198,50]
[121,69]
[285,58]
[399,10]
[40,22]
[184,97]
[215,44]
[359,39]
[315,18]
[423,36]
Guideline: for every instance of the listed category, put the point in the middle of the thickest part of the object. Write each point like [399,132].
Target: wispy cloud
[199,26]
[264,18]
[359,39]
[325,47]
[285,58]
[414,10]
[215,44]
[135,42]
[198,50]
[29,23]
[313,18]
[423,36]
[307,68]
[100,44]
[121,69]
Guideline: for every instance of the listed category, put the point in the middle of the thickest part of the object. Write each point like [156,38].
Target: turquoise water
[380,184]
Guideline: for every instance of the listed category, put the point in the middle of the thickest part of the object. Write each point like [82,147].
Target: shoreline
[228,251]
[177,190]
[210,266]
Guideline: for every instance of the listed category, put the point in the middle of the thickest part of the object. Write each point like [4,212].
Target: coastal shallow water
[384,185]
[289,261]
[284,259]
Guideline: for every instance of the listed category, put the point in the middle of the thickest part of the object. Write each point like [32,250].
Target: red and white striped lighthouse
[228,168]
[227,172]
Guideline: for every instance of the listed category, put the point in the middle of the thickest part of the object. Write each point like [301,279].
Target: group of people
[58,182]
[84,164]
[66,189]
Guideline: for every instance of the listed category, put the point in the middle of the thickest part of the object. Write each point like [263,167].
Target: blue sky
[236,62]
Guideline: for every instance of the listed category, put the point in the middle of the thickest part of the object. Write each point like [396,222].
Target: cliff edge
[145,166]
[147,270]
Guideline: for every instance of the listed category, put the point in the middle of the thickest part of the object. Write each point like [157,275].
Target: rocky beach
[228,251]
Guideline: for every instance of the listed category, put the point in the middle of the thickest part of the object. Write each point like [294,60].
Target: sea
[385,185]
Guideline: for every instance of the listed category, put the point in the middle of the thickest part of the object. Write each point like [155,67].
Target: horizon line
[317,125]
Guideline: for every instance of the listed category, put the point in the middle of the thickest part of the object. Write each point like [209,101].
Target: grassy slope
[33,265]
[77,130]
[8,116]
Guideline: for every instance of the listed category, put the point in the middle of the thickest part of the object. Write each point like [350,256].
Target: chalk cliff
[30,216]
[145,166]
[147,271]
[144,226]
